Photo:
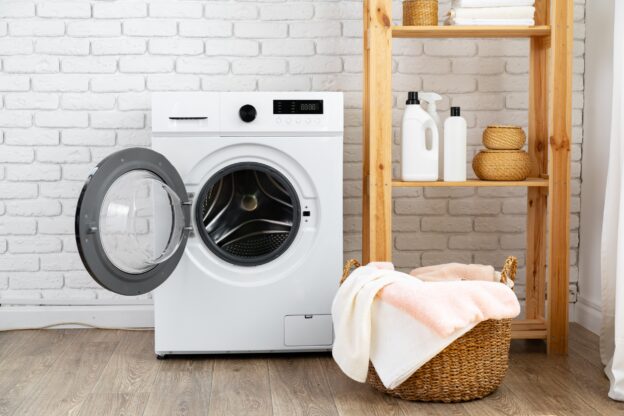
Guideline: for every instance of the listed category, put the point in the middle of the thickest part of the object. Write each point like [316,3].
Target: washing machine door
[132,221]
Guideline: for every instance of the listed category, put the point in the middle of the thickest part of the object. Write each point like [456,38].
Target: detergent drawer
[185,112]
[301,330]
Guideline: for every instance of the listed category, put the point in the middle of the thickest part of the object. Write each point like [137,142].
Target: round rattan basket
[472,367]
[501,137]
[501,165]
[420,12]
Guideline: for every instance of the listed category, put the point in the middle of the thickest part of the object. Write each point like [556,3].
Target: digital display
[297,106]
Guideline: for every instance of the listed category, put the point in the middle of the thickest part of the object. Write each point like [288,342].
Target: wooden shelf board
[528,329]
[528,334]
[530,182]
[470,31]
[528,325]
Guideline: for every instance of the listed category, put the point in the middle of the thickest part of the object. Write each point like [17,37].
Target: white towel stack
[492,13]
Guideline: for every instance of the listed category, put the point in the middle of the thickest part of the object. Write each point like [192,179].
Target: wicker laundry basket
[472,367]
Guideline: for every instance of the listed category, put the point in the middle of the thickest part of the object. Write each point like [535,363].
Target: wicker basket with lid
[502,165]
[504,137]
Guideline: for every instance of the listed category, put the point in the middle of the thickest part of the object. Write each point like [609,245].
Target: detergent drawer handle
[187,118]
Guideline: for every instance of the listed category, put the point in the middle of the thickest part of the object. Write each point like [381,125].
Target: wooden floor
[98,372]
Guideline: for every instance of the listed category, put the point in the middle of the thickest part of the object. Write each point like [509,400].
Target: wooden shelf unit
[549,137]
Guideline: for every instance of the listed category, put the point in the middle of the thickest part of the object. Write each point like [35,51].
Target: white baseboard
[109,316]
[585,314]
[588,315]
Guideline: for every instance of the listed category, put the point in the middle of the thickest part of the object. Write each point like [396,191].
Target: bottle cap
[455,112]
[412,98]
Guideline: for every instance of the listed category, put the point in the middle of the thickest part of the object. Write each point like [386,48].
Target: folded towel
[490,22]
[492,3]
[525,12]
[456,271]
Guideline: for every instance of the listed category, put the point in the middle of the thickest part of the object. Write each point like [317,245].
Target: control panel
[242,113]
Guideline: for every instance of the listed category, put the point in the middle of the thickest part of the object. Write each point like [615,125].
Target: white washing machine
[234,219]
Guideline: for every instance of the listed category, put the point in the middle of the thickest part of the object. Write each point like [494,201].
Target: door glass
[141,222]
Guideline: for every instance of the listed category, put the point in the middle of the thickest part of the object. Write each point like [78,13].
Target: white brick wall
[75,83]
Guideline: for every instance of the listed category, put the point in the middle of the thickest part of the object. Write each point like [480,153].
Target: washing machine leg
[161,357]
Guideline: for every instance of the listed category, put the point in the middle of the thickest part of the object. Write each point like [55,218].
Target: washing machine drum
[248,214]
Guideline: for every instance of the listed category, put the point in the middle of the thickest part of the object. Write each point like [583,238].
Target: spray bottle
[417,162]
[431,98]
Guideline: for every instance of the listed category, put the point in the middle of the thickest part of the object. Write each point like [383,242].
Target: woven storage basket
[420,12]
[500,137]
[472,367]
[501,165]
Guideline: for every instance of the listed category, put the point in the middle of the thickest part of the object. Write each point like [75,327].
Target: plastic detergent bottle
[418,163]
[455,135]
[431,98]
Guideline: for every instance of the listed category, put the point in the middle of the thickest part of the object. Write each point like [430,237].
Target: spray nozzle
[430,98]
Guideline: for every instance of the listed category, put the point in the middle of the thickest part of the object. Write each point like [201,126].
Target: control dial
[247,113]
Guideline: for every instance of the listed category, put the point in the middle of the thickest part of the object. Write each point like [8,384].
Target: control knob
[247,113]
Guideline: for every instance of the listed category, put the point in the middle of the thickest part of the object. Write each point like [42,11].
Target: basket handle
[509,269]
[349,266]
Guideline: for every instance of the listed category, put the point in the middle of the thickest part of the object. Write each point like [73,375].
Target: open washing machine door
[132,221]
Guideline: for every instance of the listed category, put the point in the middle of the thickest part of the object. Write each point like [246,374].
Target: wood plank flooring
[97,372]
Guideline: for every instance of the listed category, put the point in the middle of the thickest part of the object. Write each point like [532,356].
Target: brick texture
[76,79]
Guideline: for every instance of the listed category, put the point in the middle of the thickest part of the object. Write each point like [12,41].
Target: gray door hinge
[189,204]
[191,197]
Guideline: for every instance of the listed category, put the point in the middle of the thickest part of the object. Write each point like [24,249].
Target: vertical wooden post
[562,26]
[377,140]
[537,203]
